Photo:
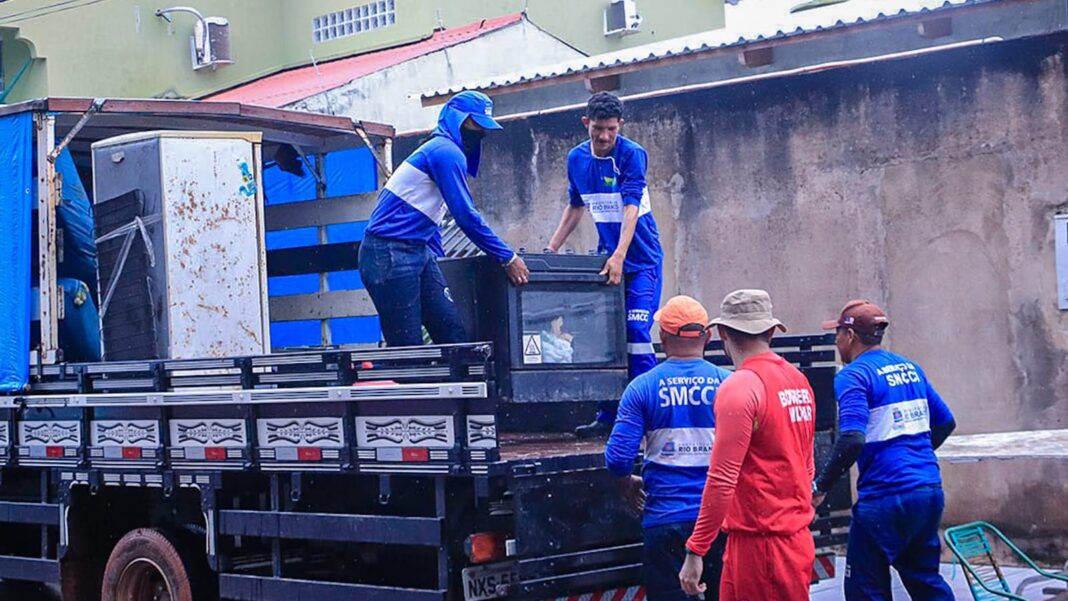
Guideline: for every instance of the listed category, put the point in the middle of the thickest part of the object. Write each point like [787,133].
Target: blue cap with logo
[476,105]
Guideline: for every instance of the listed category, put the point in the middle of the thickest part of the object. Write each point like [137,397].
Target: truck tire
[151,565]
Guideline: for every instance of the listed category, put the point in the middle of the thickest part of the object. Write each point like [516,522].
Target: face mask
[471,138]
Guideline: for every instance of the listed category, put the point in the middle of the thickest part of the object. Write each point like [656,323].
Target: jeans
[663,552]
[642,300]
[409,291]
[899,530]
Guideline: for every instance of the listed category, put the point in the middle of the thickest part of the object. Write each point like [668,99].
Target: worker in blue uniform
[402,242]
[670,408]
[606,176]
[891,420]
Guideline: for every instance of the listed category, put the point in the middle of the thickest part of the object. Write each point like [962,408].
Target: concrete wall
[392,95]
[927,185]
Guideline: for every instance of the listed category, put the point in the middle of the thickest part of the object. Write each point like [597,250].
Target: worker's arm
[613,268]
[624,444]
[448,169]
[942,422]
[568,222]
[852,392]
[739,407]
[626,438]
[633,190]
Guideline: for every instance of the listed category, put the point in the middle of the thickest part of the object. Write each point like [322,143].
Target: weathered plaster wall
[926,185]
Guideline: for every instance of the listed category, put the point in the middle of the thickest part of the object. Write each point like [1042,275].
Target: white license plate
[481,582]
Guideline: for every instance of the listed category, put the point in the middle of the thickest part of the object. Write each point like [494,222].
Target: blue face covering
[479,108]
[472,138]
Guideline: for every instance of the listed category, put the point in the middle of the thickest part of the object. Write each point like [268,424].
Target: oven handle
[536,277]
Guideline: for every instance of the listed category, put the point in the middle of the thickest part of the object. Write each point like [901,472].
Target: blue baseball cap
[476,105]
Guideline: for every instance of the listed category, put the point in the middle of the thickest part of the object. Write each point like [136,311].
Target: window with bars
[353,21]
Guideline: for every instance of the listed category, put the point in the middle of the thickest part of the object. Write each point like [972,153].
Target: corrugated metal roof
[747,22]
[290,86]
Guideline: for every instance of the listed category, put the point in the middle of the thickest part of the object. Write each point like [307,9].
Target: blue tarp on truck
[16,207]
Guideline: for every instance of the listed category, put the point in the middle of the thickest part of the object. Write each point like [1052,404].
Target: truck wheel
[149,565]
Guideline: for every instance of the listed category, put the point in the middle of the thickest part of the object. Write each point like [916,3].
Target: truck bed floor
[544,445]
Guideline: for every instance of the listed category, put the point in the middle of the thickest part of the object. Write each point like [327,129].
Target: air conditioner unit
[621,18]
[211,48]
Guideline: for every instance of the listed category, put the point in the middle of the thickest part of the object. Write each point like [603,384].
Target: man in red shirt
[759,486]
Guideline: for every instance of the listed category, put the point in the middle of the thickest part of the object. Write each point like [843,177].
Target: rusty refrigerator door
[179,221]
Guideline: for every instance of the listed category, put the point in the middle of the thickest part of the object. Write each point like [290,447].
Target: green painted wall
[16,52]
[581,22]
[119,48]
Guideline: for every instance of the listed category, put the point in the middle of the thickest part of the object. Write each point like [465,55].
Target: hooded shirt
[413,202]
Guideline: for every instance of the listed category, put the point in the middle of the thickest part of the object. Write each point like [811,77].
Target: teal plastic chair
[971,546]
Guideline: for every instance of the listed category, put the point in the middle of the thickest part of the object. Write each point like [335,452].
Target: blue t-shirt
[671,407]
[604,186]
[888,398]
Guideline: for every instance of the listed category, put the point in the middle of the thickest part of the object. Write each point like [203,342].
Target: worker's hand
[690,575]
[818,498]
[613,268]
[517,271]
[634,493]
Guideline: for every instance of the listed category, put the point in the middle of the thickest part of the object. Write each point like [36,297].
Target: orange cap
[682,316]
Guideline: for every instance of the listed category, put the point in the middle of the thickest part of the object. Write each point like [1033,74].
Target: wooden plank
[189,108]
[103,126]
[29,513]
[329,211]
[322,305]
[378,129]
[28,568]
[21,107]
[324,258]
[317,120]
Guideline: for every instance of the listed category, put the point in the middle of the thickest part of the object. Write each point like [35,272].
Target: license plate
[482,582]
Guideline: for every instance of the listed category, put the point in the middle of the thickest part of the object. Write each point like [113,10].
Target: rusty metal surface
[47,193]
[214,248]
[540,445]
[315,132]
[202,277]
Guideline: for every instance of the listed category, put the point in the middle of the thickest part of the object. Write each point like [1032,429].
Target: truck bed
[545,445]
[541,452]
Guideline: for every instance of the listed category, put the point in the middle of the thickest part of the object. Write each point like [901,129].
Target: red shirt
[761,470]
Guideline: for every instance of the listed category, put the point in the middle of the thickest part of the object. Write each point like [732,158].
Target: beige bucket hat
[747,311]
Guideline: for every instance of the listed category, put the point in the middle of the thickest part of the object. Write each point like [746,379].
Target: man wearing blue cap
[398,255]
